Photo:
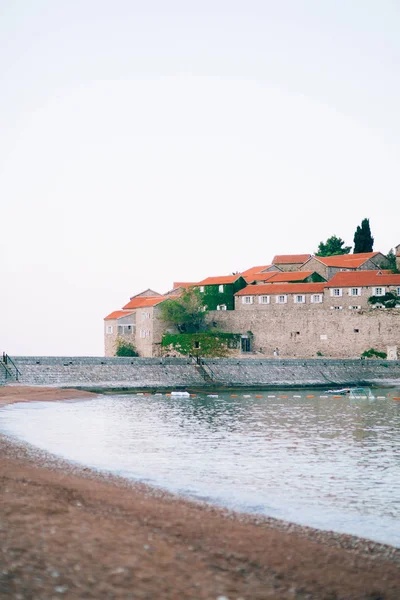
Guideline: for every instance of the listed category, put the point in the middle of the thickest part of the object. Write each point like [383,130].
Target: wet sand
[68,532]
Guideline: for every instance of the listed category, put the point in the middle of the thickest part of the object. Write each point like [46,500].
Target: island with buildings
[299,306]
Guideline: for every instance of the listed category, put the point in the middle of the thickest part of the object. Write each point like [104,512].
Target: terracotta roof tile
[259,276]
[256,270]
[284,288]
[363,278]
[288,276]
[349,261]
[287,259]
[117,314]
[184,284]
[219,280]
[144,301]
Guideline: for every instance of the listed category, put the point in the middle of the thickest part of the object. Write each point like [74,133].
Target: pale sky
[143,143]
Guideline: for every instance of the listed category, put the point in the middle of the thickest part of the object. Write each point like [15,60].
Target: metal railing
[10,367]
[206,370]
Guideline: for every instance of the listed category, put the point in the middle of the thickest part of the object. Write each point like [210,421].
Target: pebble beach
[70,532]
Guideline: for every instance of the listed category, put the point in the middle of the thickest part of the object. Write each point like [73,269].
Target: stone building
[328,266]
[265,270]
[218,292]
[290,262]
[398,257]
[137,323]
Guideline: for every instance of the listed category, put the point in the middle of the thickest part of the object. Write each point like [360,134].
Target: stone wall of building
[288,267]
[313,264]
[144,330]
[306,330]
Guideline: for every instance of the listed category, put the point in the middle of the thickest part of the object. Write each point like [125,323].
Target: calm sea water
[329,463]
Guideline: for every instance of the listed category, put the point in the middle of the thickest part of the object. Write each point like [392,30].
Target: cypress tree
[363,240]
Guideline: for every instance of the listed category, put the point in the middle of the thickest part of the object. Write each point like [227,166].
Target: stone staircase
[203,369]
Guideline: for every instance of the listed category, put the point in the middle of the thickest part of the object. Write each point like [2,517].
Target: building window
[221,307]
[316,299]
[398,291]
[323,336]
[221,289]
[336,292]
[247,300]
[125,329]
[281,299]
[299,299]
[355,307]
[336,307]
[379,291]
[109,329]
[355,292]
[145,315]
[356,331]
[144,333]
[201,288]
[263,299]
[196,344]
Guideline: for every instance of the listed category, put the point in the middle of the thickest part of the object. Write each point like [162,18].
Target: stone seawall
[3,378]
[169,373]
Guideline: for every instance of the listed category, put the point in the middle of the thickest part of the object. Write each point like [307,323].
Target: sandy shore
[71,533]
[25,393]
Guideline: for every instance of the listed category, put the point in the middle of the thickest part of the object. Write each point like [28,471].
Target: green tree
[125,348]
[186,312]
[389,300]
[332,247]
[363,240]
[391,256]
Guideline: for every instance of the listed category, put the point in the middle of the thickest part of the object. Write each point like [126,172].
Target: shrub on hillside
[372,353]
[125,348]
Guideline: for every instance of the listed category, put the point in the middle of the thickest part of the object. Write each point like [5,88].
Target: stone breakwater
[169,373]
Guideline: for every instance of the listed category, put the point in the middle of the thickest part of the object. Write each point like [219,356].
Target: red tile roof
[256,270]
[349,261]
[260,276]
[117,314]
[287,259]
[219,280]
[289,276]
[184,284]
[363,278]
[144,301]
[284,288]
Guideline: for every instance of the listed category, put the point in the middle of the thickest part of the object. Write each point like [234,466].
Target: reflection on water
[330,463]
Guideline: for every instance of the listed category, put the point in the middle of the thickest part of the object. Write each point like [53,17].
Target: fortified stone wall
[306,331]
[108,372]
[157,373]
